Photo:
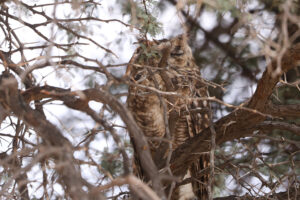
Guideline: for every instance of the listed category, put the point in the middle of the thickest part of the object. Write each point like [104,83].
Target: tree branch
[239,123]
[71,100]
[267,125]
[283,111]
[70,176]
[291,194]
[140,188]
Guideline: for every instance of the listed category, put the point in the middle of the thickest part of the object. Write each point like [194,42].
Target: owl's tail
[200,174]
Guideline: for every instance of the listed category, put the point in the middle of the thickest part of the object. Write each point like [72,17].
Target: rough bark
[240,123]
[69,176]
[73,100]
[291,194]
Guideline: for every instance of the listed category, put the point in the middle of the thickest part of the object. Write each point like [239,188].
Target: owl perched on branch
[164,98]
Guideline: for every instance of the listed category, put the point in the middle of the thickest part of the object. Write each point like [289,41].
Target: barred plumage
[186,114]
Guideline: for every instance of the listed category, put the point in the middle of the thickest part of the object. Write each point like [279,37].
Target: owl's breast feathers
[186,113]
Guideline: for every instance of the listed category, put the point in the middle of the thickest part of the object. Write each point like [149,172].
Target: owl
[164,98]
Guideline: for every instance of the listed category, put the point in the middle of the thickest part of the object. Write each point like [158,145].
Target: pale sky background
[105,34]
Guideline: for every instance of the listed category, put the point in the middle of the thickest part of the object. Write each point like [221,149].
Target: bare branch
[269,125]
[292,194]
[140,188]
[103,96]
[284,111]
[238,123]
[70,176]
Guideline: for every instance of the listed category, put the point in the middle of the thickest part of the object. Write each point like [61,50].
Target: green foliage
[228,6]
[273,5]
[111,162]
[287,95]
[149,23]
[145,17]
[118,88]
[224,61]
[90,82]
[20,11]
[147,53]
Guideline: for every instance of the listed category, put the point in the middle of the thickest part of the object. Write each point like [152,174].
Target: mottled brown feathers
[168,66]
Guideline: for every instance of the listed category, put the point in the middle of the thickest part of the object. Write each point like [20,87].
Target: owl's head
[180,52]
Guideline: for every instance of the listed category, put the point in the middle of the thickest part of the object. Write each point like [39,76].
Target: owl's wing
[192,118]
[200,120]
[145,105]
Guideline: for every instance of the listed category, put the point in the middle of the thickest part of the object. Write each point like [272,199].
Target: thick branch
[70,176]
[141,189]
[284,111]
[239,123]
[7,62]
[291,194]
[71,99]
[267,125]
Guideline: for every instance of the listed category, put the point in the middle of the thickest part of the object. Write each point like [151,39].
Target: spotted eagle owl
[165,90]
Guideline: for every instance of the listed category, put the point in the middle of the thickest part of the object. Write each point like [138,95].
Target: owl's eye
[177,51]
[137,77]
